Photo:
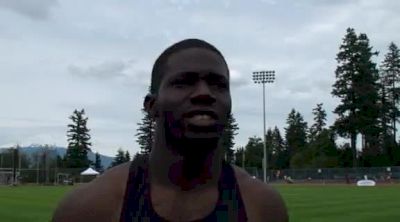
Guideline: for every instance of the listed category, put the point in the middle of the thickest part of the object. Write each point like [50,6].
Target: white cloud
[83,58]
[238,79]
[104,71]
[37,10]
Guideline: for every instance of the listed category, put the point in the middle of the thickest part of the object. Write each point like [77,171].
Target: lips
[202,118]
[201,113]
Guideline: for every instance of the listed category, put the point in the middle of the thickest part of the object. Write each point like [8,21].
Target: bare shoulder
[99,200]
[262,201]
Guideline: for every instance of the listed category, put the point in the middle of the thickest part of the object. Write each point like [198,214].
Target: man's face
[194,97]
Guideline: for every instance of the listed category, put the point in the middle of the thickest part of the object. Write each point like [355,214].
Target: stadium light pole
[262,77]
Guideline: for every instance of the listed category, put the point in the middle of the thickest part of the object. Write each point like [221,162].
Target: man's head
[190,93]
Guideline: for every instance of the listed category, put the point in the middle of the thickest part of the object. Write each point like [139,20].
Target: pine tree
[281,160]
[322,146]
[368,101]
[78,141]
[357,88]
[60,161]
[319,121]
[296,138]
[97,163]
[228,137]
[386,139]
[296,132]
[136,156]
[145,133]
[127,156]
[119,158]
[270,148]
[390,95]
[343,88]
[254,152]
[345,156]
[239,156]
[324,150]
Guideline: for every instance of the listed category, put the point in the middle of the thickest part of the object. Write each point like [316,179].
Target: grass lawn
[29,203]
[337,203]
[306,203]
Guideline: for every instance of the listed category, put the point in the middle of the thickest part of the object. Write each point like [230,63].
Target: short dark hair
[159,65]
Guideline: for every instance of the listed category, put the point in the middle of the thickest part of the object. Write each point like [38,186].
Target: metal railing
[331,175]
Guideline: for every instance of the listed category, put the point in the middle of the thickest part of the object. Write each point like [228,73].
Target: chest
[178,206]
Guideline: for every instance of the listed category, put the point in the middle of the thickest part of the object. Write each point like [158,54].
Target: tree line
[369,101]
[368,106]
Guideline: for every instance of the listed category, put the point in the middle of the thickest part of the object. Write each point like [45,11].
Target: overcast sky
[61,55]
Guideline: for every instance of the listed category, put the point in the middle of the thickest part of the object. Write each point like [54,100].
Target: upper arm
[272,205]
[86,204]
[71,207]
[267,203]
[262,202]
[100,200]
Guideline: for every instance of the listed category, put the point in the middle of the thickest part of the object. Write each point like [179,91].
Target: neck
[188,171]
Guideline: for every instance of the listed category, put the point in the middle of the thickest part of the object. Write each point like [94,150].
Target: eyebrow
[209,74]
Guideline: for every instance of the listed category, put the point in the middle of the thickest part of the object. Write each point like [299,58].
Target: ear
[149,105]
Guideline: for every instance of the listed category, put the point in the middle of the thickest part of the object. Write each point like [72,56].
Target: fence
[40,176]
[330,175]
[323,175]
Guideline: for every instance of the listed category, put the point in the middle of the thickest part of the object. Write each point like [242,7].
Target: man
[184,178]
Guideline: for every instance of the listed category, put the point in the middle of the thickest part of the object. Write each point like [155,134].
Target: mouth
[201,118]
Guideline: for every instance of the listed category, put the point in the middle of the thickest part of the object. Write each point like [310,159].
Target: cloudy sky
[61,55]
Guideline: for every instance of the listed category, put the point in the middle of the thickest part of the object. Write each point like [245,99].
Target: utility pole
[19,162]
[263,77]
[243,158]
[37,168]
[56,168]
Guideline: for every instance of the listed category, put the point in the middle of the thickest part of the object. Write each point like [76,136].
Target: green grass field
[342,203]
[306,203]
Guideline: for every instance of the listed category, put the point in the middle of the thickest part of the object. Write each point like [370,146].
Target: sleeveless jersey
[137,204]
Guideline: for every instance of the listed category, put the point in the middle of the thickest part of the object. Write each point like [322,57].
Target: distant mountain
[61,151]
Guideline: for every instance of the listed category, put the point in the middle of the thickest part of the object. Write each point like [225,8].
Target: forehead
[196,60]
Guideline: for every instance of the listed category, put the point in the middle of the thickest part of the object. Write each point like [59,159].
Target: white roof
[90,171]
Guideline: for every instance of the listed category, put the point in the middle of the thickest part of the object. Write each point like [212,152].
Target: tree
[357,88]
[368,99]
[322,150]
[14,157]
[280,155]
[97,163]
[386,138]
[319,121]
[127,156]
[136,156]
[119,158]
[228,137]
[145,133]
[270,148]
[254,152]
[60,161]
[239,156]
[295,133]
[344,89]
[345,156]
[390,95]
[78,141]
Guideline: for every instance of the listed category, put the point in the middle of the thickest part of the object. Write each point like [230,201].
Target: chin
[197,145]
[202,135]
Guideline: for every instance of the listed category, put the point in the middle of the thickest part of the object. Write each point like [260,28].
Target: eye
[220,84]
[181,83]
[217,81]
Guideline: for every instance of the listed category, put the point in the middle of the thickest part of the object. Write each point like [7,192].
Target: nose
[202,95]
